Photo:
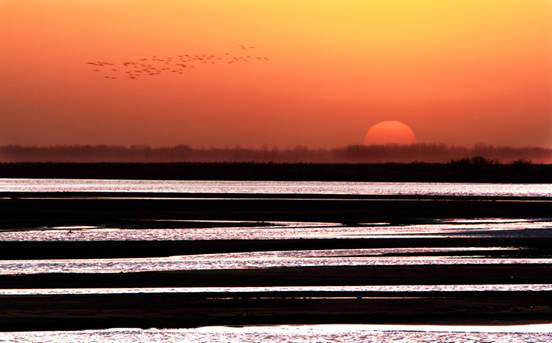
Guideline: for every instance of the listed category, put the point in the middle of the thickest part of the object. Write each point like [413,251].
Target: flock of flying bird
[153,66]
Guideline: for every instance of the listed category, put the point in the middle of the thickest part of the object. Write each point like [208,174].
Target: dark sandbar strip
[26,212]
[294,276]
[64,312]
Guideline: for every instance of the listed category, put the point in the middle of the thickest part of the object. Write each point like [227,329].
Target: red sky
[457,72]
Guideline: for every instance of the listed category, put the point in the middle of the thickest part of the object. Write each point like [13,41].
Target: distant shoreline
[372,172]
[429,153]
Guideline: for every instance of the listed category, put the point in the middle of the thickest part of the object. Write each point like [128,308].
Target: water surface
[497,227]
[306,333]
[275,187]
[275,289]
[465,228]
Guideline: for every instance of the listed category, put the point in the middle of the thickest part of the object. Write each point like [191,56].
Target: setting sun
[390,132]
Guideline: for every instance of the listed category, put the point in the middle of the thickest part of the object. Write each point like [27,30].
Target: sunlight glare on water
[276,187]
[291,230]
[307,333]
[248,260]
[275,289]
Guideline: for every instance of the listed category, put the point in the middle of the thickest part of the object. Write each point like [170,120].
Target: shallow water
[276,289]
[307,333]
[498,227]
[259,259]
[290,258]
[277,187]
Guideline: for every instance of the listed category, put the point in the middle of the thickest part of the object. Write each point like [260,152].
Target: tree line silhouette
[430,153]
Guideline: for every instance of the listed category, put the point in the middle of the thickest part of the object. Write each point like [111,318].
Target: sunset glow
[319,73]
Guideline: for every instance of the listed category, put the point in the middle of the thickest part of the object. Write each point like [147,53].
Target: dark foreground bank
[401,172]
[177,310]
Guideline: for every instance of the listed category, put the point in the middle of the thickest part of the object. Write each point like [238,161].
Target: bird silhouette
[175,65]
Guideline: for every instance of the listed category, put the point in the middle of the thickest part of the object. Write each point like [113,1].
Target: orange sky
[456,71]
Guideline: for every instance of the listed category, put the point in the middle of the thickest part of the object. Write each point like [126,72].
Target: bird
[178,64]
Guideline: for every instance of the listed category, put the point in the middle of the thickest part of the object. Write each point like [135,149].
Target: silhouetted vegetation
[474,161]
[430,153]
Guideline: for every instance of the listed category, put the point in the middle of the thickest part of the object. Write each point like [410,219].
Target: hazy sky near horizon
[455,71]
